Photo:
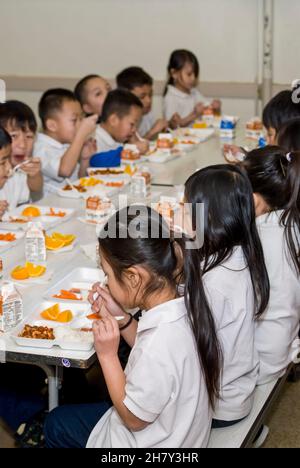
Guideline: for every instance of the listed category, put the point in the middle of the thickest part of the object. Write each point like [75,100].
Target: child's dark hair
[133,77]
[52,102]
[275,175]
[279,110]
[79,90]
[17,114]
[229,221]
[289,135]
[177,61]
[5,138]
[119,102]
[123,248]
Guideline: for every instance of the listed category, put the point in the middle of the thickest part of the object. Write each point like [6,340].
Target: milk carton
[97,209]
[11,307]
[141,183]
[130,153]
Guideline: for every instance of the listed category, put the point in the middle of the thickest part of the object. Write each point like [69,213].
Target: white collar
[105,136]
[167,312]
[51,141]
[272,217]
[176,92]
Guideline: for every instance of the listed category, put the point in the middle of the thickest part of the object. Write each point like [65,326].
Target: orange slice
[128,170]
[93,317]
[34,270]
[68,295]
[66,238]
[54,244]
[9,237]
[31,211]
[65,316]
[52,313]
[20,273]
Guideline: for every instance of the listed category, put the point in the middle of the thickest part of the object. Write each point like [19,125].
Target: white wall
[286,41]
[70,38]
[73,37]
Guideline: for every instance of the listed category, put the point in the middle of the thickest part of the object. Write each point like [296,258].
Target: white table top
[173,172]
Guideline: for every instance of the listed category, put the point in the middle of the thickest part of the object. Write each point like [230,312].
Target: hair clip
[282,168]
[289,157]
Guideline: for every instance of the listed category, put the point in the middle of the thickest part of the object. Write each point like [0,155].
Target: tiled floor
[6,439]
[283,422]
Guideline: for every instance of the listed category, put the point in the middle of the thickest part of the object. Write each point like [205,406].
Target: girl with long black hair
[274,174]
[235,278]
[165,396]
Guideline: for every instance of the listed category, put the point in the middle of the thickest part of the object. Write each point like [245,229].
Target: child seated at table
[280,110]
[136,80]
[65,146]
[19,121]
[121,114]
[274,175]
[5,168]
[183,103]
[91,92]
[165,395]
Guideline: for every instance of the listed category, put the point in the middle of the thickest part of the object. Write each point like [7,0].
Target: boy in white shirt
[19,121]
[136,80]
[12,192]
[122,112]
[64,147]
[91,92]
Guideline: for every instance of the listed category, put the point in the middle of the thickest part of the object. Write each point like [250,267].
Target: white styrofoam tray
[4,245]
[80,278]
[79,311]
[47,221]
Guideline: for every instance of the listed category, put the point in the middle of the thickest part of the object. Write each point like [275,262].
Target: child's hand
[142,146]
[175,121]
[89,149]
[160,126]
[104,304]
[106,337]
[3,207]
[87,126]
[33,168]
[233,154]
[198,109]
[216,106]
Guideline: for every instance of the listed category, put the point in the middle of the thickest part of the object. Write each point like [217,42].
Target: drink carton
[11,307]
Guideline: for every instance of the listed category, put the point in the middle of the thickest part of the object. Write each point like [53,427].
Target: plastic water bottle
[35,244]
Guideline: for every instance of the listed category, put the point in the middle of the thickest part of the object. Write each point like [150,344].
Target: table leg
[54,376]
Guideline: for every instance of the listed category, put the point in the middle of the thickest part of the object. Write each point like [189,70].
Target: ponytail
[202,324]
[170,81]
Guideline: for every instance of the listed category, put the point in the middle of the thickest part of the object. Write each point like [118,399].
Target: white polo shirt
[50,152]
[164,386]
[16,190]
[147,122]
[105,141]
[176,101]
[278,327]
[230,294]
